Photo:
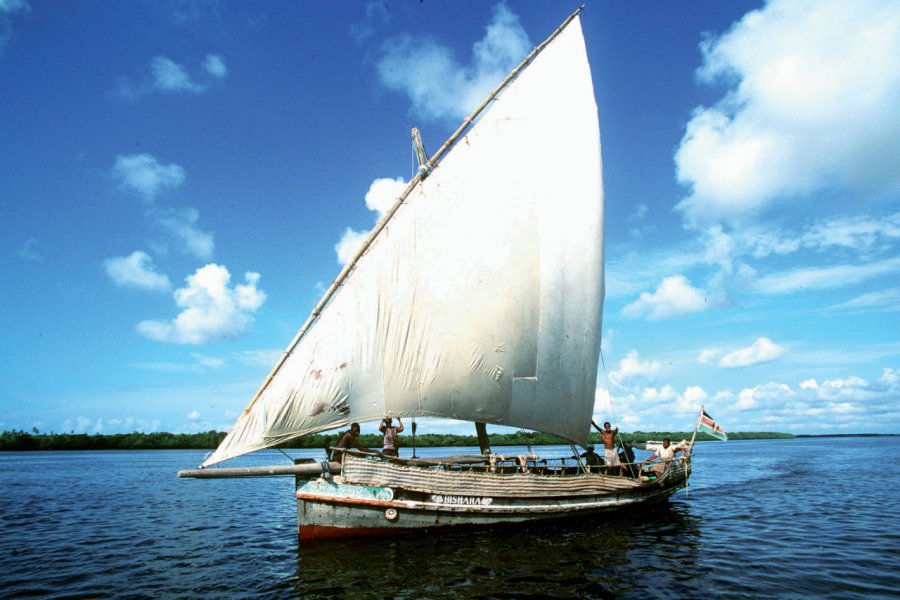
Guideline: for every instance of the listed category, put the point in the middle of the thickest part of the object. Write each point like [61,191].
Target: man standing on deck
[611,456]
[390,435]
[666,453]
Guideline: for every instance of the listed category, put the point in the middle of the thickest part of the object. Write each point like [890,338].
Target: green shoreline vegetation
[18,440]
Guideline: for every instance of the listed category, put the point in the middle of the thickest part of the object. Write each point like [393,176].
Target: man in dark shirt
[591,458]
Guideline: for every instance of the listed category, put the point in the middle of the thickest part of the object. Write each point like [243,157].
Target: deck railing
[506,464]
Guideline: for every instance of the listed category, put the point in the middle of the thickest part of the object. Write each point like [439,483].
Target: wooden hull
[340,507]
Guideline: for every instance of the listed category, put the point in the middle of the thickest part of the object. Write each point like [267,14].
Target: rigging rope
[612,408]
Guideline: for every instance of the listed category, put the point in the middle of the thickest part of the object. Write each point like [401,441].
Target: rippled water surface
[813,517]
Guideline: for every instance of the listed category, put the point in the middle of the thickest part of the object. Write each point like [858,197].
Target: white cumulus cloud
[633,370]
[215,66]
[860,233]
[377,15]
[819,278]
[146,176]
[349,244]
[811,105]
[136,271]
[864,235]
[169,77]
[11,7]
[182,225]
[211,362]
[881,301]
[380,197]
[695,394]
[438,86]
[210,308]
[674,296]
[8,8]
[709,356]
[383,193]
[656,408]
[850,404]
[762,350]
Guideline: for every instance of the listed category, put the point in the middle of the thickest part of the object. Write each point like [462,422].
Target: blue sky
[178,180]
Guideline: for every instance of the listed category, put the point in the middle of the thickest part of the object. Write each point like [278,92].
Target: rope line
[612,409]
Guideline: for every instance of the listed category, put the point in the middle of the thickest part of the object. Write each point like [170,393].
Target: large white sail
[481,299]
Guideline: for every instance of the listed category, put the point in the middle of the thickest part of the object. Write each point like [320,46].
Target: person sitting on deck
[390,435]
[348,439]
[626,457]
[591,458]
[665,453]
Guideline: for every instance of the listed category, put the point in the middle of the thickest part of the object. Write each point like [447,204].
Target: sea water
[806,517]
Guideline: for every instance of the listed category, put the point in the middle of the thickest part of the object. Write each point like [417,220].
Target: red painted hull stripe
[321,532]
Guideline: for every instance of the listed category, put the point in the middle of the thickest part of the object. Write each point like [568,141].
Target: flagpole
[696,427]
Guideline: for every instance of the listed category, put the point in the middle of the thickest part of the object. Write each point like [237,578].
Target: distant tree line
[18,440]
[23,440]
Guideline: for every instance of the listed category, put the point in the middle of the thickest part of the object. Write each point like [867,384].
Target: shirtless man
[611,455]
[348,439]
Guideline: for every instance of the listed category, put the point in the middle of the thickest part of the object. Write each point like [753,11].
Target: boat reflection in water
[640,553]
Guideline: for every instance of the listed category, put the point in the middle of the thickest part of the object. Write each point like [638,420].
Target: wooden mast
[484,442]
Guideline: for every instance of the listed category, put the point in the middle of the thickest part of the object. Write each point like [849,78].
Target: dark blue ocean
[812,517]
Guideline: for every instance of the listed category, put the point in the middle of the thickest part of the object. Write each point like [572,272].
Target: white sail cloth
[481,299]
